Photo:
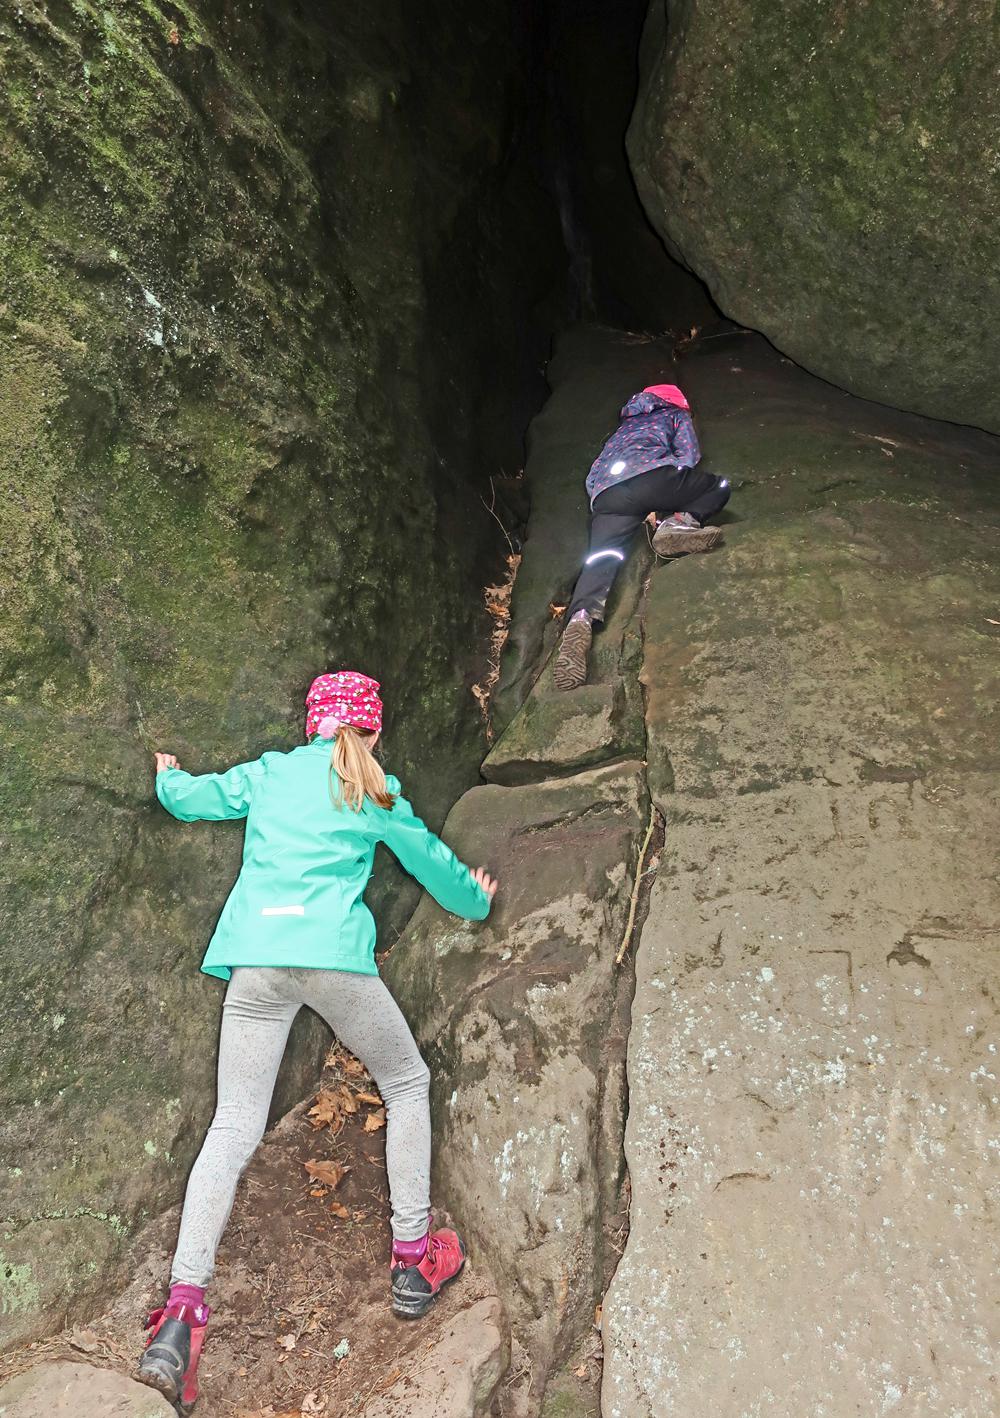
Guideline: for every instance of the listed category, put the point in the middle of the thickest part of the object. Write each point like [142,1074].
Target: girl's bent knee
[415,1083]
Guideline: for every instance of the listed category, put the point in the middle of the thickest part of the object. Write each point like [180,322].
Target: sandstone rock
[812,1064]
[555,733]
[829,174]
[520,1019]
[458,1376]
[62,1390]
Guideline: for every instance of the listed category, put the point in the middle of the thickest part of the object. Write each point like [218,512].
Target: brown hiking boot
[571,662]
[680,534]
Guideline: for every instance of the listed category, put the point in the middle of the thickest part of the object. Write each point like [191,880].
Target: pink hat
[346,697]
[670,392]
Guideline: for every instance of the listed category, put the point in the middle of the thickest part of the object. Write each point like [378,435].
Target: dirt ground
[301,1321]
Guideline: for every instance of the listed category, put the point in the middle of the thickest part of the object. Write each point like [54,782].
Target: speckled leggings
[257,1015]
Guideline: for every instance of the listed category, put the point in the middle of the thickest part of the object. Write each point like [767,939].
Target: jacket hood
[657,396]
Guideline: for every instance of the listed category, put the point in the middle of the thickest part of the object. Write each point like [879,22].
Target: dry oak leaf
[287,1341]
[374,1100]
[327,1173]
[326,1111]
[374,1121]
[337,1208]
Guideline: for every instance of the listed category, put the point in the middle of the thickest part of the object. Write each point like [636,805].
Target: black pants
[618,514]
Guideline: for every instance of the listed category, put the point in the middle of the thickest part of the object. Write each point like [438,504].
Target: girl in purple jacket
[646,471]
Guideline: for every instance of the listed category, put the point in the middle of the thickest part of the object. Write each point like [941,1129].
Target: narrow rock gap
[277,302]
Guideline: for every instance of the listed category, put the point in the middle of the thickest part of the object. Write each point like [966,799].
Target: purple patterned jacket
[652,433]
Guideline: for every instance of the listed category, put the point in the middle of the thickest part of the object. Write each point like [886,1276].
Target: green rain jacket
[297,900]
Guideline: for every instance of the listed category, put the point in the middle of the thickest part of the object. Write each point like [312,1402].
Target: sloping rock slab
[522,1022]
[79,1391]
[813,1111]
[458,1378]
[555,733]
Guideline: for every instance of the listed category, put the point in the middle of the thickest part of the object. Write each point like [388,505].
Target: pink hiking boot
[170,1363]
[421,1268]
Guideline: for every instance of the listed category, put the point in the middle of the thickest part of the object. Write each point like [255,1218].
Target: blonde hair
[357,772]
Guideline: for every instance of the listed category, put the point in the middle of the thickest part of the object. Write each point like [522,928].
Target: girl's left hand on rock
[165,760]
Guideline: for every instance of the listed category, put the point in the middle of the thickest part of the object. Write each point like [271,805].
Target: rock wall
[253,259]
[830,172]
[813,1111]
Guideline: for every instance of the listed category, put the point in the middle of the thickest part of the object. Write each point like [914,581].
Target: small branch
[639,874]
[489,507]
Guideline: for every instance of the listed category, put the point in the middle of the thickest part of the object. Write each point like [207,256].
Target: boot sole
[668,542]
[165,1383]
[417,1307]
[571,662]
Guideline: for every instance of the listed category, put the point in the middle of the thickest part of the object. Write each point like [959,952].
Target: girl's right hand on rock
[487,882]
[165,760]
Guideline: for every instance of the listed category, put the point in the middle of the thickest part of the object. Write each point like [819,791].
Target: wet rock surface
[828,172]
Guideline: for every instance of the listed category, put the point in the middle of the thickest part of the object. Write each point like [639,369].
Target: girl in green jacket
[295,932]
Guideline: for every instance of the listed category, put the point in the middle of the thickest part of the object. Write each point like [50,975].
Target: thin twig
[489,507]
[633,904]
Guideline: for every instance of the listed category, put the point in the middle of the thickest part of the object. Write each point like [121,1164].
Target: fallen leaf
[360,1216]
[328,1174]
[317,1191]
[374,1121]
[288,1341]
[582,1371]
[330,1107]
[338,1208]
[991,621]
[326,1111]
[374,1099]
[85,1340]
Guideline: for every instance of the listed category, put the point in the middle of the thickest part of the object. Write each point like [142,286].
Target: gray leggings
[257,1015]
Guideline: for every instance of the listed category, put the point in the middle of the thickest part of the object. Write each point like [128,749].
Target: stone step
[64,1390]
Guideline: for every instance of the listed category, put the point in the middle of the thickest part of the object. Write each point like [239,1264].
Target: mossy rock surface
[244,419]
[830,172]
